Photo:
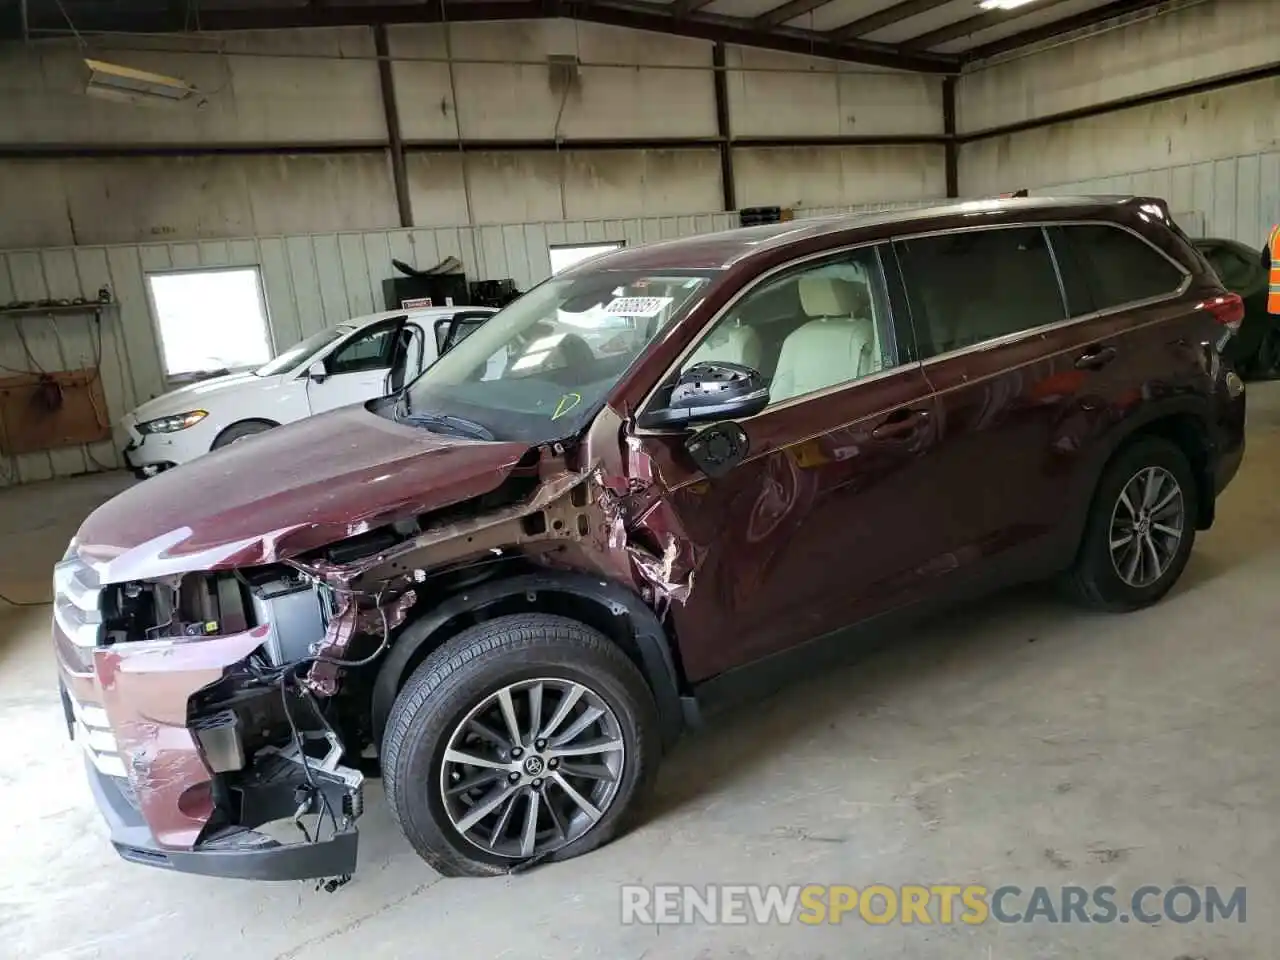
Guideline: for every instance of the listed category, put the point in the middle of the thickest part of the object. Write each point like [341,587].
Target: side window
[979,285]
[451,331]
[808,330]
[1118,267]
[371,350]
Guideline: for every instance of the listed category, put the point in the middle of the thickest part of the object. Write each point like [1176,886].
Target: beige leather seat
[837,346]
[730,343]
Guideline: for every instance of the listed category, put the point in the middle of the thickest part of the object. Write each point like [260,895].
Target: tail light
[1228,310]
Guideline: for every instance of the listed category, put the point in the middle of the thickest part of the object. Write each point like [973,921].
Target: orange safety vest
[1273,290]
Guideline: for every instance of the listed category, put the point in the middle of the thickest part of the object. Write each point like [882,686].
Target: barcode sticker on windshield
[637,306]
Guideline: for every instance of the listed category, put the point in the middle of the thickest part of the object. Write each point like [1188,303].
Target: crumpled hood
[195,395]
[290,490]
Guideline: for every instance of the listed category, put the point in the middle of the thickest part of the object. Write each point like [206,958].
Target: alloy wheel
[532,768]
[1146,526]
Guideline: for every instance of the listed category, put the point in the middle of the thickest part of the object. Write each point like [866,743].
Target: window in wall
[566,255]
[1118,267]
[810,330]
[211,319]
[970,287]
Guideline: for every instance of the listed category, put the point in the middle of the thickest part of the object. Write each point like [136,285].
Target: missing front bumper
[243,852]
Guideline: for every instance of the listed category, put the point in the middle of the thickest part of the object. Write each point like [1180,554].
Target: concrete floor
[1020,741]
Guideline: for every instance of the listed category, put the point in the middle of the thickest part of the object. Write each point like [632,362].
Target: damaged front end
[204,752]
[226,713]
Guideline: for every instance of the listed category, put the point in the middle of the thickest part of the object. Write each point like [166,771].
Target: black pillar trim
[952,148]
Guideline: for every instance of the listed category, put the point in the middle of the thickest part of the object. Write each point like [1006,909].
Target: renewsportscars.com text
[670,904]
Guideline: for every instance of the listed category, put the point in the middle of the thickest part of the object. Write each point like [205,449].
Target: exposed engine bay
[273,747]
[284,724]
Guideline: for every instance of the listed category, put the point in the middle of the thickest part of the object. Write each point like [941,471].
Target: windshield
[301,350]
[540,367]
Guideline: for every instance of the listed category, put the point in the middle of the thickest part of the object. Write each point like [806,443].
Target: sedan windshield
[541,367]
[301,351]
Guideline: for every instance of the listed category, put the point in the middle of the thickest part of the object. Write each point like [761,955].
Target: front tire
[1140,530]
[525,738]
[240,431]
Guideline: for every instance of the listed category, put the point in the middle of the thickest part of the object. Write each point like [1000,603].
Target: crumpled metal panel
[145,688]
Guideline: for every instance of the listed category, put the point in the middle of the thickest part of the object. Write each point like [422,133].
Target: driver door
[451,331]
[357,370]
[831,515]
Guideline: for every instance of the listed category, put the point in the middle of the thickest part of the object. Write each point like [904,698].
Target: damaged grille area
[76,604]
[77,614]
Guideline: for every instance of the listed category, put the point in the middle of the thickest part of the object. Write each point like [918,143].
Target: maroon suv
[656,480]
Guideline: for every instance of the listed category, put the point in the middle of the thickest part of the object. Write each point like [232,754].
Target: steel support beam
[395,145]
[682,8]
[679,19]
[728,184]
[971,25]
[884,18]
[69,151]
[108,18]
[788,11]
[741,33]
[1268,72]
[1058,28]
[952,157]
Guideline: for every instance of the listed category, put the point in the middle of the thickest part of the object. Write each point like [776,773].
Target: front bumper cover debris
[242,853]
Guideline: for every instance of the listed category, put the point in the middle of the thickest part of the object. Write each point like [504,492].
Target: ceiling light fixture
[1003,4]
[111,81]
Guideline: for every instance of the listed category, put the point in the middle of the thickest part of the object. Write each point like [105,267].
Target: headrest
[831,297]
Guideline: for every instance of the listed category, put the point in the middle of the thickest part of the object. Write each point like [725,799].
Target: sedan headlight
[179,421]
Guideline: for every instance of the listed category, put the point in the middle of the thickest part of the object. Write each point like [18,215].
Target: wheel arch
[1184,422]
[606,606]
[264,421]
[1189,433]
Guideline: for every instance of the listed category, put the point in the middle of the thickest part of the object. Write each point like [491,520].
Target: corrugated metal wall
[310,282]
[1238,197]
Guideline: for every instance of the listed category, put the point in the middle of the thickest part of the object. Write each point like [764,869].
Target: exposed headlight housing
[179,421]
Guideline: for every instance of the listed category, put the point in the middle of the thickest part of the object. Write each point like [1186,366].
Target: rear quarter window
[974,286]
[1108,267]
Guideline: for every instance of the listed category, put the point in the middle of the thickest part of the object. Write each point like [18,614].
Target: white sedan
[364,358]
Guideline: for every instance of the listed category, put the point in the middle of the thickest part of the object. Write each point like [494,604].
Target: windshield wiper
[447,423]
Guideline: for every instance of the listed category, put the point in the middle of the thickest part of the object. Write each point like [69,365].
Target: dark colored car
[655,482]
[1255,349]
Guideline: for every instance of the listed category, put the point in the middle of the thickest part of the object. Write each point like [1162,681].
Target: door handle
[900,424]
[1095,358]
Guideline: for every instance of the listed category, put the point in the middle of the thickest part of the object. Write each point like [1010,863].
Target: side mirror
[717,449]
[711,391]
[317,372]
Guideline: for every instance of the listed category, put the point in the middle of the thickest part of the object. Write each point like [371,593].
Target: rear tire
[461,702]
[1129,558]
